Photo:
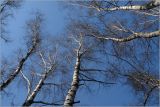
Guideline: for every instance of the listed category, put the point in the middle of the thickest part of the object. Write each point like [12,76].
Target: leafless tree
[40,70]
[129,42]
[49,67]
[108,42]
[84,50]
[34,26]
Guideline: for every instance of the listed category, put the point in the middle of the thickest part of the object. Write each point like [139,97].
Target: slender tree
[129,42]
[35,39]
[83,53]
[30,98]
[106,43]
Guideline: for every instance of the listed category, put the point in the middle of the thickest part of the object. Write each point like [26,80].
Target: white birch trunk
[30,98]
[69,100]
[148,6]
[17,71]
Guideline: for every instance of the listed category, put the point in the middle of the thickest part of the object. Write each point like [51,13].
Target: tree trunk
[16,72]
[69,100]
[30,98]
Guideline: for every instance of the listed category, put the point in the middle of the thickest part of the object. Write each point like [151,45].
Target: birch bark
[69,100]
[131,37]
[17,71]
[31,97]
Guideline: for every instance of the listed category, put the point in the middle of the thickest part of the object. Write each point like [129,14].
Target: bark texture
[132,37]
[69,100]
[150,5]
[31,97]
[17,71]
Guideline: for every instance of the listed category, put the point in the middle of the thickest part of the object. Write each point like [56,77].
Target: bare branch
[54,84]
[150,5]
[46,103]
[147,95]
[34,29]
[44,62]
[94,80]
[28,82]
[20,65]
[31,97]
[131,37]
[93,70]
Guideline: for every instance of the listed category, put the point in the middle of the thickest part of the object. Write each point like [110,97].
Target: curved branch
[148,95]
[28,82]
[97,81]
[152,4]
[46,103]
[131,37]
[94,80]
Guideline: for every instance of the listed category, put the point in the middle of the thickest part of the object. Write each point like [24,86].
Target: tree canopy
[103,44]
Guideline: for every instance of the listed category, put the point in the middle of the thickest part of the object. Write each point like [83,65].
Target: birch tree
[105,43]
[130,40]
[48,67]
[84,52]
[34,26]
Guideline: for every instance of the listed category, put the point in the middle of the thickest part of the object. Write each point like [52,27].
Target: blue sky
[55,21]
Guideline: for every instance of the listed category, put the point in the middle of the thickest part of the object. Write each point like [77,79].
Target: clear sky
[55,20]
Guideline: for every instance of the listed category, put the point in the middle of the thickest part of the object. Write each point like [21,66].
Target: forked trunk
[30,98]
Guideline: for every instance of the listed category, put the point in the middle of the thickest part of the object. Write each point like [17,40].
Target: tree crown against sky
[103,47]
